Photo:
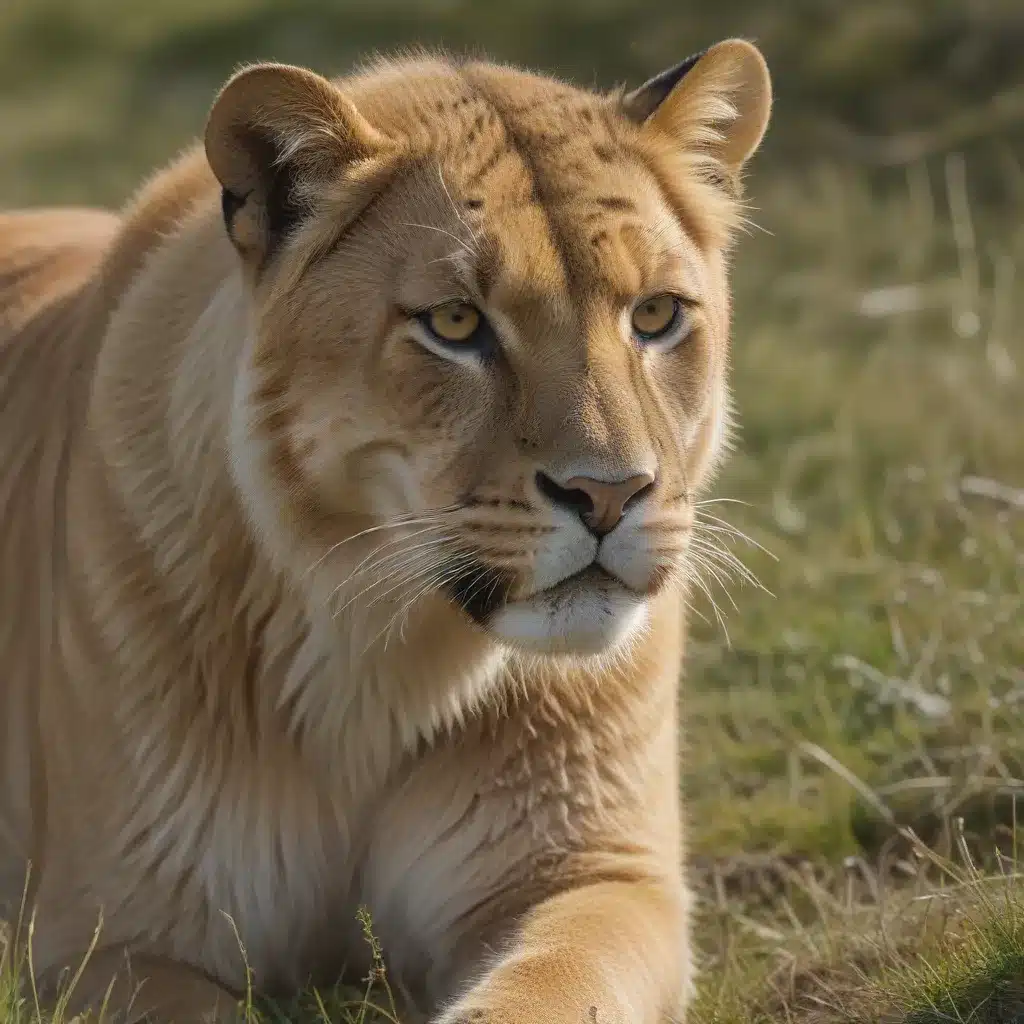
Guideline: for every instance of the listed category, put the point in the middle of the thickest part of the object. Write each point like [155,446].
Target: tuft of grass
[371,1003]
[934,939]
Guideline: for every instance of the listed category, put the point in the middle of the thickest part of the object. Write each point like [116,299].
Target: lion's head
[489,315]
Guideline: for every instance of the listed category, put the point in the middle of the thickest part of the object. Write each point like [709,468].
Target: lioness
[348,489]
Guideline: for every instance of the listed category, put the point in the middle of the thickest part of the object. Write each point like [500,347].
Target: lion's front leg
[613,952]
[532,871]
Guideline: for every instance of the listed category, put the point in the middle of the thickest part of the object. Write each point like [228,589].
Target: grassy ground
[881,686]
[855,742]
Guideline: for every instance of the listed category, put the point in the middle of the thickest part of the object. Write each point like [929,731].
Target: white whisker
[455,209]
[409,519]
[724,527]
[441,561]
[442,231]
[699,581]
[721,501]
[434,582]
[727,560]
[400,576]
[376,558]
[707,566]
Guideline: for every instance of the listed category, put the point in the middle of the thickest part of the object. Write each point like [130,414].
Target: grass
[880,688]
[947,946]
[855,747]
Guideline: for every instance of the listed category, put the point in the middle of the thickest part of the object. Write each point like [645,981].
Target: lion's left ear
[717,102]
[275,134]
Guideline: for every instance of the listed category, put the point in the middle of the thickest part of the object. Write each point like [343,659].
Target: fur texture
[299,612]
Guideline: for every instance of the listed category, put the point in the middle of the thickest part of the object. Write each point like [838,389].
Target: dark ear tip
[639,104]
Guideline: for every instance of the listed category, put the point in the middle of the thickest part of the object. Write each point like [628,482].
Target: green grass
[948,946]
[879,687]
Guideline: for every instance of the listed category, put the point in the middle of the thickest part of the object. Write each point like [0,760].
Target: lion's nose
[599,503]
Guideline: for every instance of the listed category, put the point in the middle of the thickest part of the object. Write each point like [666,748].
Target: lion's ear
[717,102]
[274,135]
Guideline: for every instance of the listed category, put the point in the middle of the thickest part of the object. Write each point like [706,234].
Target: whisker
[699,581]
[409,519]
[377,558]
[439,562]
[726,527]
[748,222]
[481,579]
[401,617]
[373,583]
[728,556]
[452,258]
[435,583]
[401,614]
[458,213]
[708,567]
[721,501]
[443,231]
[694,610]
[494,583]
[410,570]
[399,578]
[352,576]
[727,559]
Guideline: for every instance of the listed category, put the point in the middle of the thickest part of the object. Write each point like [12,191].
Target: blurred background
[93,92]
[879,377]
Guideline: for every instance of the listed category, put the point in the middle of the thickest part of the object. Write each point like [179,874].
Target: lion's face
[504,358]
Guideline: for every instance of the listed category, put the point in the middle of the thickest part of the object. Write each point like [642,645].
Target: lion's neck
[247,652]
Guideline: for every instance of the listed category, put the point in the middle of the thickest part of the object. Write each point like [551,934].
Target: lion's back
[63,273]
[44,255]
[47,261]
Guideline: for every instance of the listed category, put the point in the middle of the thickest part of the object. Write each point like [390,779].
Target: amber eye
[656,316]
[453,322]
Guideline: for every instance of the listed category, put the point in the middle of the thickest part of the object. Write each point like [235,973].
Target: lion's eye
[453,322]
[656,316]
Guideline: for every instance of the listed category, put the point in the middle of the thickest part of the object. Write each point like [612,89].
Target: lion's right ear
[717,102]
[275,135]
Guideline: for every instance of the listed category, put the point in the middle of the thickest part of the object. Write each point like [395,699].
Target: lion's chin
[590,613]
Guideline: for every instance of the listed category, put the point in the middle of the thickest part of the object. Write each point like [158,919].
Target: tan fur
[241,697]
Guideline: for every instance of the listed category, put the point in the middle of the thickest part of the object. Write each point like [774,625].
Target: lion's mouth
[481,590]
[590,578]
[596,578]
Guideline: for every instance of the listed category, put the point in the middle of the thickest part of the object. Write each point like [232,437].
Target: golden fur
[290,622]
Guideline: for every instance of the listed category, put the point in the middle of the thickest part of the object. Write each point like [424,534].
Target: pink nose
[599,503]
